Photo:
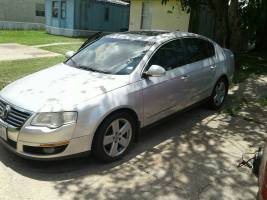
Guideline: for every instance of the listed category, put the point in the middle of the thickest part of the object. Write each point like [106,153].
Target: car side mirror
[155,71]
[69,54]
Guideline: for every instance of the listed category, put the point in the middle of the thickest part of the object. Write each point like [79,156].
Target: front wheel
[219,94]
[114,137]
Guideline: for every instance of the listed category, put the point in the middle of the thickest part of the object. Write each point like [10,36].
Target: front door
[165,95]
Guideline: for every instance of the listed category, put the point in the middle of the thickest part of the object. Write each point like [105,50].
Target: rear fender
[230,63]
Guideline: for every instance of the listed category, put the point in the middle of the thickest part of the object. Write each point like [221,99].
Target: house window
[55,8]
[106,14]
[63,9]
[40,10]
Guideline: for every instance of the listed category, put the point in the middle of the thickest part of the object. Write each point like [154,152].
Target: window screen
[55,9]
[40,10]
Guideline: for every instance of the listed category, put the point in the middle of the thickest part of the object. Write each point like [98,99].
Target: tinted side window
[198,49]
[169,56]
[210,49]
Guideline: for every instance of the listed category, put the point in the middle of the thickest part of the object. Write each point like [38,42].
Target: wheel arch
[129,110]
[224,76]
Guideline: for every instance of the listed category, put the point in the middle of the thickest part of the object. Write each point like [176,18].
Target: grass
[250,64]
[12,70]
[33,37]
[263,101]
[233,110]
[253,63]
[62,49]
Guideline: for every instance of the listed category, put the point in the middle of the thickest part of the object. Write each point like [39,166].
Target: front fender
[91,114]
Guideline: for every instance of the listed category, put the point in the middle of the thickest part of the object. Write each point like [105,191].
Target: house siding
[85,17]
[135,15]
[67,23]
[164,17]
[20,14]
[91,16]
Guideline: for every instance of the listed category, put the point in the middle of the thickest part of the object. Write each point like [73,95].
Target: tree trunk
[220,9]
[261,32]
[235,32]
[261,40]
[236,40]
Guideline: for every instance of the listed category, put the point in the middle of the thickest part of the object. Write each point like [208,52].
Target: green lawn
[250,64]
[253,63]
[33,37]
[263,101]
[12,70]
[62,49]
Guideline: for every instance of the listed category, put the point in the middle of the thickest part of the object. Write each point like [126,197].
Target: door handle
[185,77]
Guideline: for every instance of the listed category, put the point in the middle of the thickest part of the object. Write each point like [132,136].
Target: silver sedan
[103,94]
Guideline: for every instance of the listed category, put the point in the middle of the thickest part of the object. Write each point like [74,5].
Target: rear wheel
[219,94]
[114,137]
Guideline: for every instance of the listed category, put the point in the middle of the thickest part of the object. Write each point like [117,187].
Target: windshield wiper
[92,69]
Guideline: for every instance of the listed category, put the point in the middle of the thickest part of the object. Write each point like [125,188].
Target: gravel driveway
[191,156]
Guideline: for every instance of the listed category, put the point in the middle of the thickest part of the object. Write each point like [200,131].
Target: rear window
[198,49]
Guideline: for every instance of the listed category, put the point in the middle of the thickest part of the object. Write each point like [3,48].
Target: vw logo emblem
[5,111]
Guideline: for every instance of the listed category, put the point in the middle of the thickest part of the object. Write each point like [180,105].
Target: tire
[219,94]
[111,143]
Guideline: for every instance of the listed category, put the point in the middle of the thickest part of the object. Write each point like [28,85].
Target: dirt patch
[13,51]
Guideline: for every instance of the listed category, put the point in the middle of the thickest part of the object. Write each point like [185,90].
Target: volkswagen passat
[103,94]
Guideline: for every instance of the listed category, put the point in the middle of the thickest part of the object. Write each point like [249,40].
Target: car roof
[148,32]
[151,35]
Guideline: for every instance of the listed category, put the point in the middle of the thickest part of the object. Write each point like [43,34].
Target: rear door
[200,68]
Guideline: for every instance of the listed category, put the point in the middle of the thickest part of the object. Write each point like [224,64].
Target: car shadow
[192,155]
[86,165]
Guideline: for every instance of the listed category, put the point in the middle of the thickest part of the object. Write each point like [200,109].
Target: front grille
[15,117]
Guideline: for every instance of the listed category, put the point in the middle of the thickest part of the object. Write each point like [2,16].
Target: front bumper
[29,137]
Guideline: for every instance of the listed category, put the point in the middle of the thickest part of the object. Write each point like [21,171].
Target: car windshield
[111,56]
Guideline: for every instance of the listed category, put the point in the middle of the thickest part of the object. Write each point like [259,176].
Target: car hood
[59,88]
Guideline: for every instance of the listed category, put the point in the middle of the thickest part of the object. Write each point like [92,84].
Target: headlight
[54,120]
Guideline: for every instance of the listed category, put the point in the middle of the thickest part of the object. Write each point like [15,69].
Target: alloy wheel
[117,137]
[220,92]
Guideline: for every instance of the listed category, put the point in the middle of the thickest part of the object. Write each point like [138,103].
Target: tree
[220,12]
[220,9]
[236,22]
[254,22]
[236,36]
